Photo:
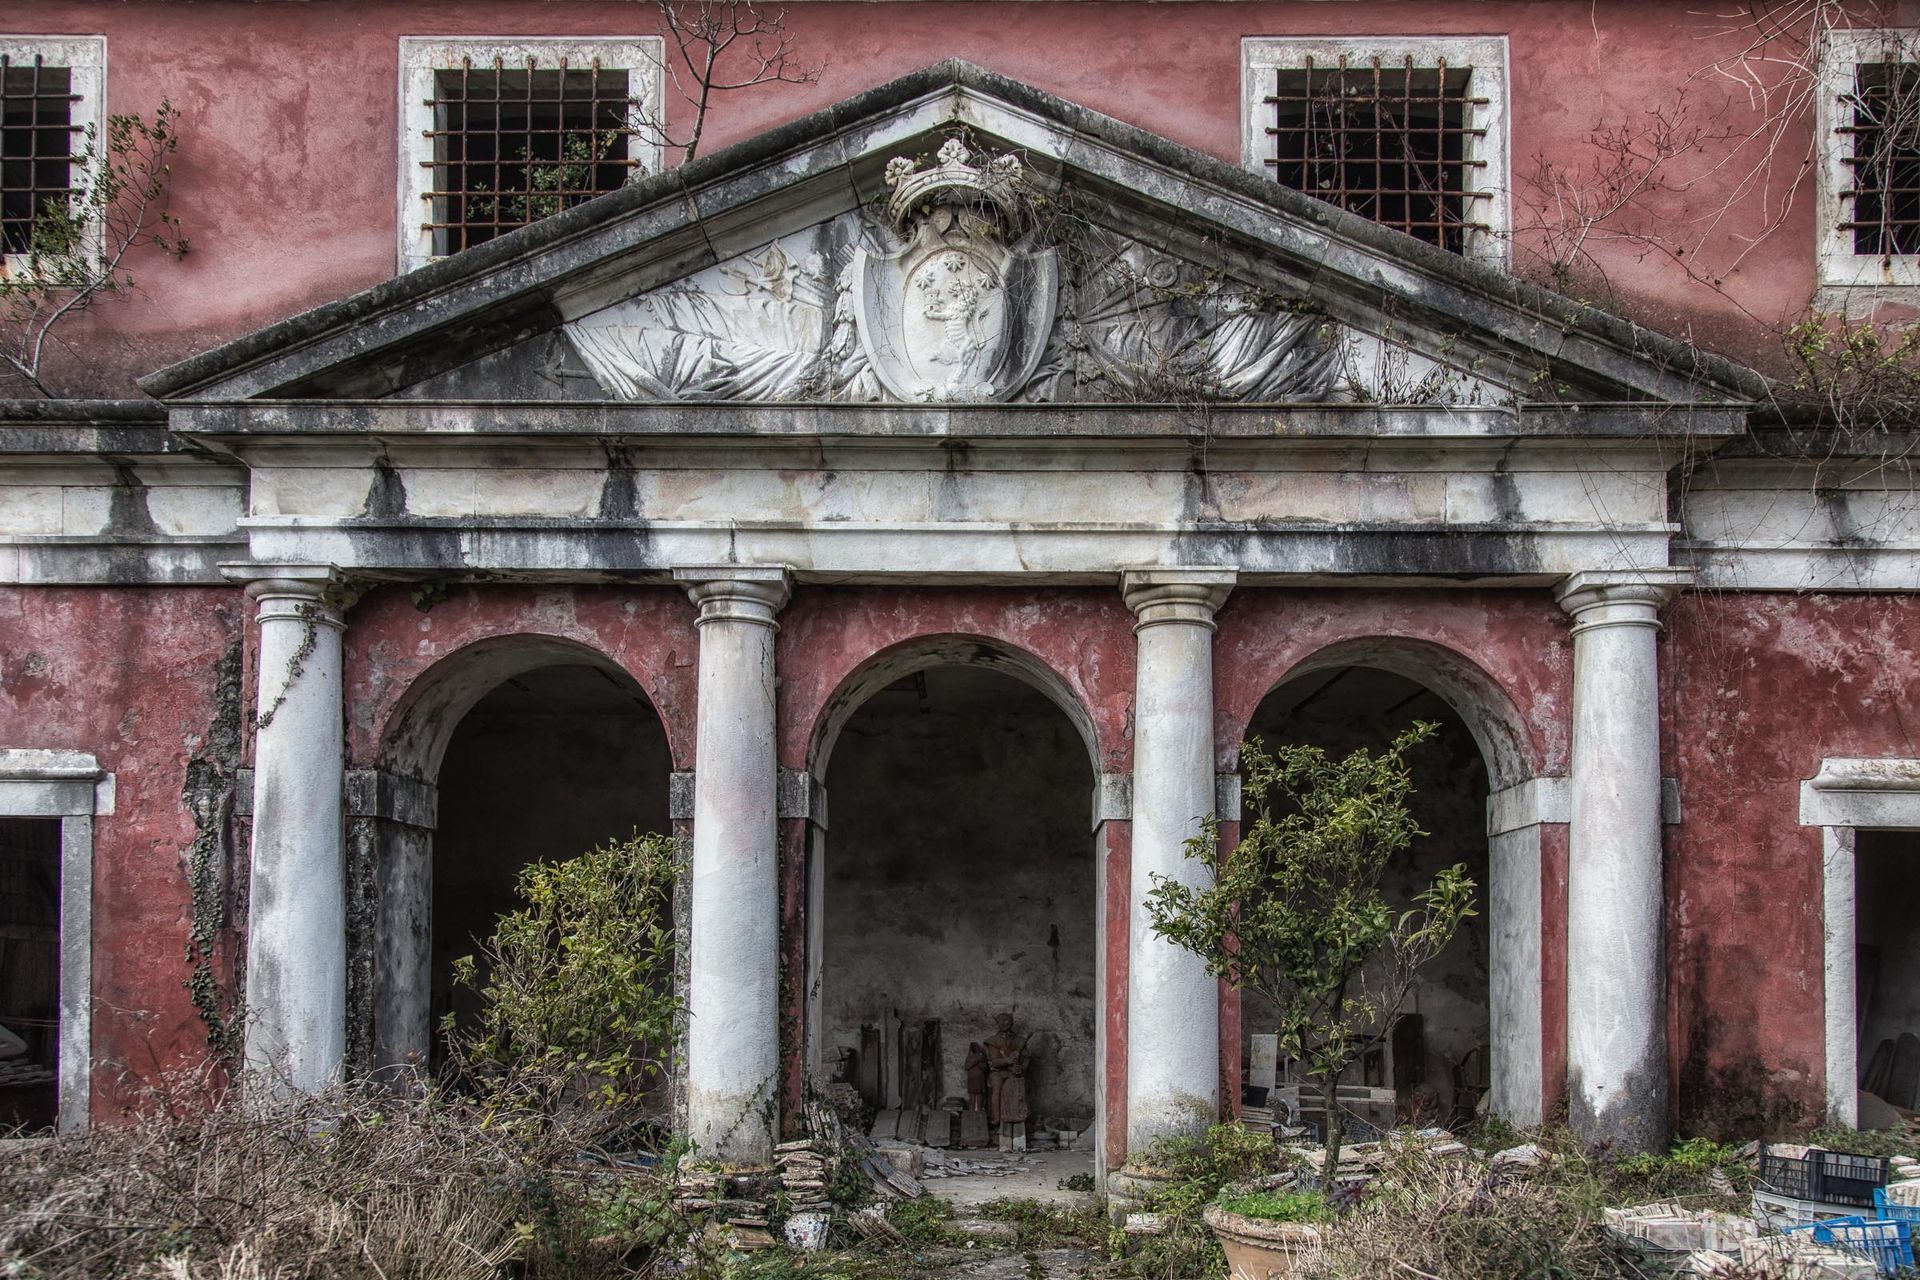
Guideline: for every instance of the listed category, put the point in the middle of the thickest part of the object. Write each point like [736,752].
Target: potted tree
[1295,912]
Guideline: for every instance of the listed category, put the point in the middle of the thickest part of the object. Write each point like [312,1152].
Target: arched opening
[1440,1054]
[548,764]
[958,883]
[530,747]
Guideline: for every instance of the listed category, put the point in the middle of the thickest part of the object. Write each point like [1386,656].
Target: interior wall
[1887,894]
[1351,708]
[29,970]
[546,766]
[960,878]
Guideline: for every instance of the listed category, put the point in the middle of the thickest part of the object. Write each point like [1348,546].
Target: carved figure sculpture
[976,1077]
[1007,1085]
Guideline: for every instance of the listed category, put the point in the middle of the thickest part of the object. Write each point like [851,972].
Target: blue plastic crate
[1888,1243]
[1908,1213]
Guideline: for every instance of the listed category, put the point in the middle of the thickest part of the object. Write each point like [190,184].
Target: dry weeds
[358,1184]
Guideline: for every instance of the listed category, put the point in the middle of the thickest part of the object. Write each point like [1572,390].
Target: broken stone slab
[907,1160]
[1797,1257]
[1147,1224]
[1517,1159]
[985,1229]
[1665,1227]
[871,1222]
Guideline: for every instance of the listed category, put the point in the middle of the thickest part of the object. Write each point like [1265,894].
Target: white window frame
[1846,797]
[1839,59]
[69,786]
[85,58]
[1262,56]
[641,57]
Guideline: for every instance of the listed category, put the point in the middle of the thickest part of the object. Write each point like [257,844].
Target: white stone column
[1173,1012]
[1616,900]
[733,984]
[296,1021]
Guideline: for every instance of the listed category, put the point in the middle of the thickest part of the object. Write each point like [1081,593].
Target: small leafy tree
[1296,913]
[576,986]
[552,185]
[79,243]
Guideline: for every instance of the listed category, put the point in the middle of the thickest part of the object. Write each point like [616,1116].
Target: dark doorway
[1437,1058]
[1887,983]
[551,763]
[960,884]
[29,972]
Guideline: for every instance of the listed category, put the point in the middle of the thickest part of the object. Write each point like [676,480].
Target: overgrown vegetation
[1279,1206]
[576,997]
[358,1184]
[80,245]
[551,186]
[1296,912]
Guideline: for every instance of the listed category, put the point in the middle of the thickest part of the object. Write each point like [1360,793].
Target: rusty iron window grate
[39,140]
[1390,141]
[513,144]
[1880,205]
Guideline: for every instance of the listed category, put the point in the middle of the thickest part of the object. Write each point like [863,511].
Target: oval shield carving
[955,314]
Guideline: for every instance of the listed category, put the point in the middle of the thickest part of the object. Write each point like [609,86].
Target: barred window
[1384,141]
[49,93]
[513,145]
[1409,133]
[500,135]
[1884,159]
[1868,124]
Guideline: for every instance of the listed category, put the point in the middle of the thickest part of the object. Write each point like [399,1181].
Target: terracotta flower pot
[1258,1249]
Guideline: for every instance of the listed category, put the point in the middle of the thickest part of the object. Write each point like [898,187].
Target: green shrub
[575,986]
[1279,1206]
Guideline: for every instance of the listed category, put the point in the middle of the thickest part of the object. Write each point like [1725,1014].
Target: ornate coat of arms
[952,295]
[962,312]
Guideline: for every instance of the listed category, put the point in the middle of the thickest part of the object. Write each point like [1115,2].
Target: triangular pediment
[957,236]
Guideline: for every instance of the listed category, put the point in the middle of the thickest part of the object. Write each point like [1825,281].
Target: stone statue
[976,1077]
[1007,1085]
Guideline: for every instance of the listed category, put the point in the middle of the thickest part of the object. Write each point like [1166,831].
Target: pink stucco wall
[131,676]
[286,179]
[1759,689]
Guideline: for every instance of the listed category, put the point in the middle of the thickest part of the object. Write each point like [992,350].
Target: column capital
[318,592]
[1184,595]
[741,593]
[1619,597]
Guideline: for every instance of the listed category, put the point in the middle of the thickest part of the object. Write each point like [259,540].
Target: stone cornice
[233,424]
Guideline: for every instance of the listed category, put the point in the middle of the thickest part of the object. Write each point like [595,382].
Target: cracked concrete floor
[1036,1175]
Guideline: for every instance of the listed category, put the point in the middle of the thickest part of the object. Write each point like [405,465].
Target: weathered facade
[914,505]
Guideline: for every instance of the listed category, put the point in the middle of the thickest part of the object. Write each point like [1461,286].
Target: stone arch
[399,848]
[422,723]
[1525,922]
[910,656]
[854,691]
[1489,713]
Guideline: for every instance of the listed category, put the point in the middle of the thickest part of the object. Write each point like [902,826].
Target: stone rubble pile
[1667,1228]
[805,1171]
[1360,1161]
[941,1164]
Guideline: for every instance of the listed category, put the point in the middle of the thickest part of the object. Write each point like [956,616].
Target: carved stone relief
[955,296]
